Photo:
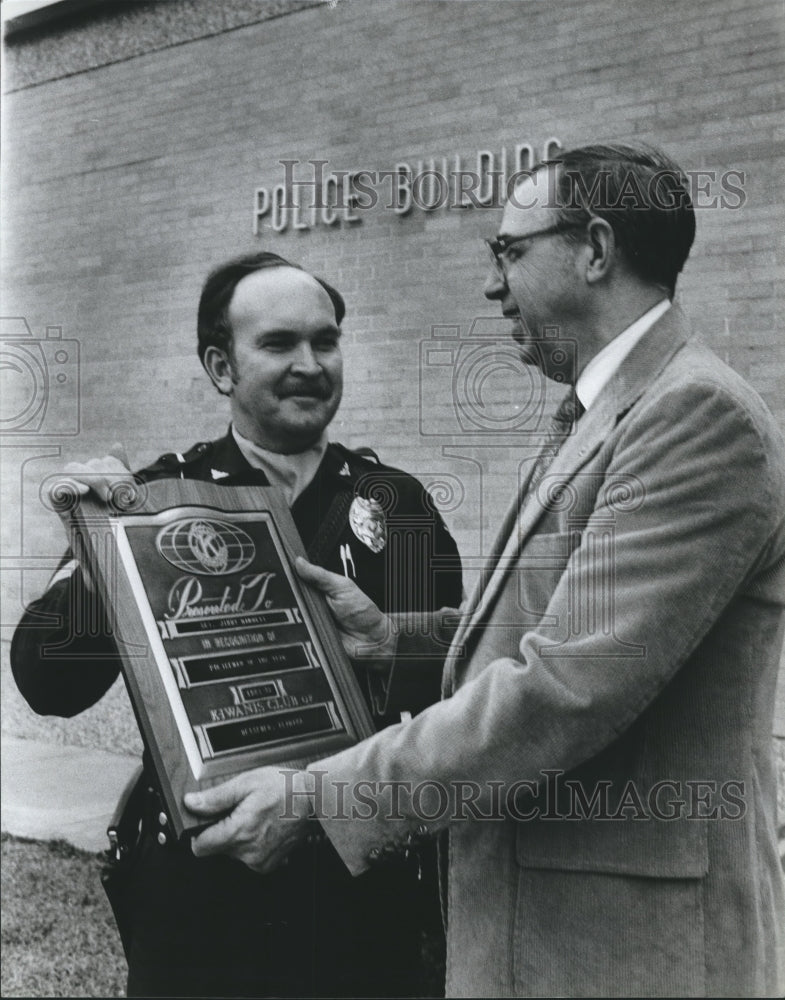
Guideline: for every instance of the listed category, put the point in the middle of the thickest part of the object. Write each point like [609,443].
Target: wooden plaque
[230,660]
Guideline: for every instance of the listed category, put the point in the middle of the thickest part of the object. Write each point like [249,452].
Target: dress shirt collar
[603,365]
[291,473]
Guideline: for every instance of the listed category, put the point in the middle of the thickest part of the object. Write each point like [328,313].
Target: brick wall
[75,36]
[125,182]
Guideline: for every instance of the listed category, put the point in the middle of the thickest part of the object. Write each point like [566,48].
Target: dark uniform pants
[211,927]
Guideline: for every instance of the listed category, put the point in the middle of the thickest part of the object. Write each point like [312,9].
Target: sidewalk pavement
[59,792]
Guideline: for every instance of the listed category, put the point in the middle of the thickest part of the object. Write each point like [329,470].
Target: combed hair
[641,193]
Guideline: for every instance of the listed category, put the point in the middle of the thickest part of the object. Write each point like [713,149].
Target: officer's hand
[366,632]
[101,475]
[269,811]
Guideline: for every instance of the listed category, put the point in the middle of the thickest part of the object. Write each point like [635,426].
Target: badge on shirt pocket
[366,519]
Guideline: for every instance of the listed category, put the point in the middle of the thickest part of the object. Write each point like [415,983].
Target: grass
[58,934]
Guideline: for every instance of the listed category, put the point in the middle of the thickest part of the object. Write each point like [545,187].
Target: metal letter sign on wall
[310,195]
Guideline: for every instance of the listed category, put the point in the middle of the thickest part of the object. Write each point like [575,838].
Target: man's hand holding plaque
[269,816]
[366,633]
[101,475]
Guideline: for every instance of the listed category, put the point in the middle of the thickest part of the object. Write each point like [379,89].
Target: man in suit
[602,757]
[269,338]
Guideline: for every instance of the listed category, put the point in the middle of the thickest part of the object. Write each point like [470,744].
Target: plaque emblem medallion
[206,546]
[366,519]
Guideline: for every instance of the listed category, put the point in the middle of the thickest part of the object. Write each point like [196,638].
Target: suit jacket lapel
[574,453]
[638,370]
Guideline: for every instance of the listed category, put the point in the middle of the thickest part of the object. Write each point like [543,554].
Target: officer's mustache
[320,388]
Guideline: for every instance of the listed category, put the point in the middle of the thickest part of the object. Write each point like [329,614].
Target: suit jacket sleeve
[707,515]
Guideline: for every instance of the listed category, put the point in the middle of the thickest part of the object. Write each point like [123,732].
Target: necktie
[569,411]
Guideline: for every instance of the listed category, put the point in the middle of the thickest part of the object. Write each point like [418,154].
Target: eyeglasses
[499,247]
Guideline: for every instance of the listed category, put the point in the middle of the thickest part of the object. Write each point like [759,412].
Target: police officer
[269,338]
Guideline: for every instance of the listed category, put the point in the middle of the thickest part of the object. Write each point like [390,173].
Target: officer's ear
[218,366]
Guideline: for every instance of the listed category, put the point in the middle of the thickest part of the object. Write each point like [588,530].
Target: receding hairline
[531,177]
[268,274]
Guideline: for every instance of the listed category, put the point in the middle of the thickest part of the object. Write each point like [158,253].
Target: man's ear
[602,250]
[219,367]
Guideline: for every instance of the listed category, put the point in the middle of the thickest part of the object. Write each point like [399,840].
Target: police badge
[366,519]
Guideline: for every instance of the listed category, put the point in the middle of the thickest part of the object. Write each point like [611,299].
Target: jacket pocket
[594,934]
[652,848]
[610,908]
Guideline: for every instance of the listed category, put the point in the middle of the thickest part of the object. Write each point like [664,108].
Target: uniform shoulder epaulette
[172,461]
[367,453]
[195,453]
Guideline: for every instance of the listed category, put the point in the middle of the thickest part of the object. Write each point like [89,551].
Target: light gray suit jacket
[617,672]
